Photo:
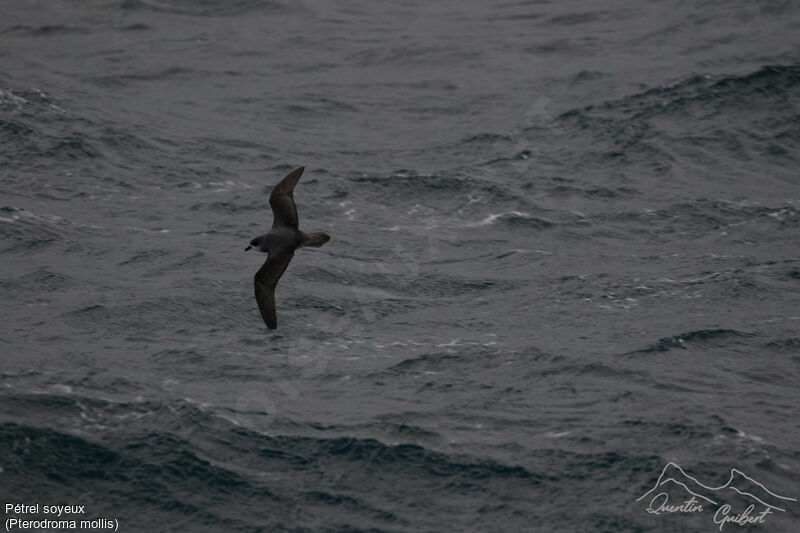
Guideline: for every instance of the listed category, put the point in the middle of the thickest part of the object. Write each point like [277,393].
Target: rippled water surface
[564,253]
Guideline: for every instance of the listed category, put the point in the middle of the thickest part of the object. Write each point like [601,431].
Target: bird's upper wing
[265,281]
[281,200]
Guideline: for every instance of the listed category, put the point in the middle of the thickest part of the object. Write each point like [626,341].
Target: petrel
[280,243]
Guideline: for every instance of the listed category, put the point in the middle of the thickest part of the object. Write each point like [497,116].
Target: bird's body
[280,242]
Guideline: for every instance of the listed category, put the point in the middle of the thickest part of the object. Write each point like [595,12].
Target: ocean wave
[203,8]
[513,218]
[24,232]
[698,339]
[46,31]
[125,80]
[40,280]
[178,458]
[702,117]
[694,219]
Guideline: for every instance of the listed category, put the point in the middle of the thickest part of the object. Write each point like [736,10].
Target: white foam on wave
[135,228]
[7,97]
[492,218]
[224,186]
[350,213]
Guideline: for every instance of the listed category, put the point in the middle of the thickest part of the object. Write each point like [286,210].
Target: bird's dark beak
[247,248]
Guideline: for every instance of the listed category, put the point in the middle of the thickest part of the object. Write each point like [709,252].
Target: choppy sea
[565,254]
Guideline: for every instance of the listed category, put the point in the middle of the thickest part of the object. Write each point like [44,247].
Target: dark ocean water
[565,253]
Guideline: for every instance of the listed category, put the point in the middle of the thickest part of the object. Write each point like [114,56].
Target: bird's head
[253,244]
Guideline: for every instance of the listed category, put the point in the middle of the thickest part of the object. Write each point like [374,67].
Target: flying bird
[280,242]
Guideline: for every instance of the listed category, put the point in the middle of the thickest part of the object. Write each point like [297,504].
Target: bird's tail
[315,239]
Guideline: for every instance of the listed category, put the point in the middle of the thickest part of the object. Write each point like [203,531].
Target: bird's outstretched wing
[284,211]
[265,281]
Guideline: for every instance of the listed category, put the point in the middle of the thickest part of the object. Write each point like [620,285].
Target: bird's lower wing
[265,281]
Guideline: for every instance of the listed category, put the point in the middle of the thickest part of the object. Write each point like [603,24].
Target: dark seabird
[280,243]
